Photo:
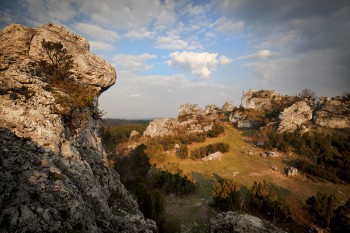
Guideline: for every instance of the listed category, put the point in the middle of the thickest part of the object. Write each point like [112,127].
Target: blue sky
[167,53]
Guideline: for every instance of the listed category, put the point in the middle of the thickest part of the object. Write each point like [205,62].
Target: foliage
[307,93]
[151,202]
[226,194]
[327,154]
[215,131]
[341,219]
[322,207]
[182,152]
[209,149]
[72,97]
[172,183]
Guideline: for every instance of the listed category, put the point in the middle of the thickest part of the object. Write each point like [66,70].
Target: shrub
[322,207]
[341,220]
[209,149]
[215,131]
[182,152]
[226,194]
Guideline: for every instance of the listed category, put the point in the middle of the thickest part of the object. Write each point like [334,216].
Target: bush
[209,149]
[226,194]
[182,152]
[215,131]
[341,219]
[322,207]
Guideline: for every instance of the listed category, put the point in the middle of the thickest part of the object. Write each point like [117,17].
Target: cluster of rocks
[53,180]
[191,118]
[228,222]
[293,112]
[214,156]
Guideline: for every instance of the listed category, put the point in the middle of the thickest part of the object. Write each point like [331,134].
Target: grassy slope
[193,212]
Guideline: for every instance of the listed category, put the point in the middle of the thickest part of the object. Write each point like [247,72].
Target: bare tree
[307,93]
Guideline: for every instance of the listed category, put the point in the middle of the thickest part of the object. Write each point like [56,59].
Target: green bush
[215,131]
[226,194]
[209,149]
[322,208]
[182,152]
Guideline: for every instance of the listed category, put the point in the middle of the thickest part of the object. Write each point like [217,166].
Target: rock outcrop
[294,116]
[54,178]
[245,118]
[228,107]
[190,119]
[333,113]
[258,100]
[228,222]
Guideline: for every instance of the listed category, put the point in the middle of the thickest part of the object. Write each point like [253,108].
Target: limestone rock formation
[54,178]
[228,107]
[243,119]
[258,100]
[294,116]
[333,113]
[191,119]
[228,222]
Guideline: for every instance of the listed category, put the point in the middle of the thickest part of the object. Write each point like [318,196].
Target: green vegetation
[182,152]
[226,194]
[209,149]
[74,99]
[215,131]
[327,155]
[322,207]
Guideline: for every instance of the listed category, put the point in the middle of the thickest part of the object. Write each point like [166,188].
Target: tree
[226,194]
[322,207]
[307,93]
[59,63]
[182,152]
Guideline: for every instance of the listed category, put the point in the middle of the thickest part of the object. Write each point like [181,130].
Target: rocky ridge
[52,177]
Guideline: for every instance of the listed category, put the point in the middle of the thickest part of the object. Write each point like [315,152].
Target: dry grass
[244,158]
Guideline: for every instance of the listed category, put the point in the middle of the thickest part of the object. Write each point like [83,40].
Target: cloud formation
[201,64]
[133,63]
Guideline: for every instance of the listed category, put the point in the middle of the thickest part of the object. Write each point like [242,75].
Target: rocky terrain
[290,112]
[190,119]
[234,222]
[55,177]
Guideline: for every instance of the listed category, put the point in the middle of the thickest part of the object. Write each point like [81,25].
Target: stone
[160,127]
[258,100]
[272,154]
[228,107]
[134,133]
[214,156]
[228,222]
[294,116]
[212,111]
[241,119]
[292,171]
[333,113]
[51,178]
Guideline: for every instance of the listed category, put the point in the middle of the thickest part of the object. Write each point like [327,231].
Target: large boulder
[242,118]
[188,112]
[212,111]
[333,113]
[160,127]
[294,116]
[258,100]
[228,107]
[55,178]
[228,222]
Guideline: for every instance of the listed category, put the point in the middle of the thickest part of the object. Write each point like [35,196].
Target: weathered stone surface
[294,116]
[214,156]
[53,179]
[191,119]
[228,107]
[258,100]
[212,111]
[160,127]
[134,133]
[292,171]
[333,113]
[228,222]
[241,119]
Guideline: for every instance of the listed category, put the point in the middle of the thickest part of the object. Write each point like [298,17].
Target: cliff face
[54,177]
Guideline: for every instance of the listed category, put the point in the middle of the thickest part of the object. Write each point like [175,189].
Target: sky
[167,53]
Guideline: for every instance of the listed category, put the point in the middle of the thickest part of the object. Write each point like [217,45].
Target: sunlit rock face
[294,116]
[190,119]
[54,178]
[333,113]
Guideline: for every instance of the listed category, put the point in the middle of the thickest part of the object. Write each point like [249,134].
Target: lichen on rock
[53,177]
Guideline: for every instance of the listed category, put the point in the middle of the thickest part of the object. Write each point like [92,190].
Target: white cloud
[135,95]
[262,54]
[133,62]
[200,64]
[96,32]
[100,46]
[139,34]
[225,25]
[174,43]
